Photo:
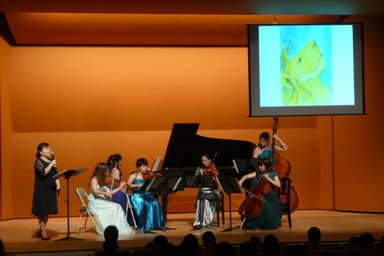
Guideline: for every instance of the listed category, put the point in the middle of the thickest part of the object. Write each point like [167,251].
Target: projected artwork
[305,69]
[306,66]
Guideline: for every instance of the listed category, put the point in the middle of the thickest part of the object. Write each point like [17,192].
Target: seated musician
[114,166]
[147,209]
[207,197]
[105,211]
[271,207]
[263,149]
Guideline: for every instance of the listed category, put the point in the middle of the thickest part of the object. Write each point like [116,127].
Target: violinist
[207,197]
[271,207]
[105,211]
[148,212]
[263,149]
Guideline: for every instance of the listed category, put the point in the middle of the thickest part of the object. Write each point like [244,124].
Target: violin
[211,170]
[150,174]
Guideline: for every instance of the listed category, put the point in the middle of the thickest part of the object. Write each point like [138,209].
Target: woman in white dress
[105,211]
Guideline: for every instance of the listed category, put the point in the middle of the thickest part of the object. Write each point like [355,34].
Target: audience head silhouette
[189,245]
[271,245]
[314,235]
[110,246]
[225,249]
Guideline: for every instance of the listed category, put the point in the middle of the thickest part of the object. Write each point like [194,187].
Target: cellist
[263,149]
[271,207]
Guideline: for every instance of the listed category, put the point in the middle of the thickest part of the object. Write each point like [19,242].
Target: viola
[108,182]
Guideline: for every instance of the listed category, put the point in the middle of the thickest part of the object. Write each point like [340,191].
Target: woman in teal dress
[147,209]
[272,209]
[263,149]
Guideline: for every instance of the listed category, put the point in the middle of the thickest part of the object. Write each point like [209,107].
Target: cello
[252,206]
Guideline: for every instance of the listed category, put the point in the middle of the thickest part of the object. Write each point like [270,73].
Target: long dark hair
[113,161]
[40,147]
[99,173]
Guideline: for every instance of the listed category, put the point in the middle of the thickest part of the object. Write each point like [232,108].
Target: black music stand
[67,174]
[230,185]
[164,184]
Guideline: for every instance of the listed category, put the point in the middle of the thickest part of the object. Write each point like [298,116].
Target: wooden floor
[19,234]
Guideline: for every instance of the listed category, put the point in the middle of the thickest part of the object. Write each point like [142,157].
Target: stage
[19,234]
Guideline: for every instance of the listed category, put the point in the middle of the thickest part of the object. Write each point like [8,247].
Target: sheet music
[156,164]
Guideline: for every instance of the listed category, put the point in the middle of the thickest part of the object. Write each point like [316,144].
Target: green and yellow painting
[303,74]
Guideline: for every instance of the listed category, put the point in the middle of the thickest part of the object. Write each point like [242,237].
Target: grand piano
[185,148]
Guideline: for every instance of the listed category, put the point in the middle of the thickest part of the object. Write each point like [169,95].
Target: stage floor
[19,234]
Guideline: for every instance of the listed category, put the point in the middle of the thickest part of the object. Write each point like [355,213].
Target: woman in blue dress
[263,149]
[147,209]
[272,209]
[114,165]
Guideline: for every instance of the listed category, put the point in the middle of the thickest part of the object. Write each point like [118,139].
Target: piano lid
[185,148]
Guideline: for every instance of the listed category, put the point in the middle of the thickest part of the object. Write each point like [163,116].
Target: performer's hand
[122,184]
[108,194]
[53,162]
[276,137]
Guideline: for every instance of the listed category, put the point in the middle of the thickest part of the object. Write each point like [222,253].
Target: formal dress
[271,212]
[206,200]
[107,213]
[147,209]
[120,197]
[266,154]
[44,195]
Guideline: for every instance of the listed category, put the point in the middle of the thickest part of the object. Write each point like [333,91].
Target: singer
[46,188]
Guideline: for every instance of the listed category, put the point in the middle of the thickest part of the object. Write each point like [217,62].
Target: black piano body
[185,148]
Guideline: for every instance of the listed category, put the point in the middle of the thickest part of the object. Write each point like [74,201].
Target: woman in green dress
[272,210]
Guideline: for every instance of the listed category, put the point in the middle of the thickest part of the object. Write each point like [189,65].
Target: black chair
[285,190]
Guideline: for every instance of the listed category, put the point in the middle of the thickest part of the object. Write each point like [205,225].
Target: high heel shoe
[40,235]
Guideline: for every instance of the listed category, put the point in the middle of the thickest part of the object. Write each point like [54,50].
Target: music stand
[169,182]
[67,174]
[230,185]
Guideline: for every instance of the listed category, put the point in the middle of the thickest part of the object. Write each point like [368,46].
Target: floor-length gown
[120,197]
[272,210]
[147,209]
[107,213]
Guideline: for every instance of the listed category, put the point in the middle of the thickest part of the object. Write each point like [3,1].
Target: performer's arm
[275,181]
[122,184]
[115,174]
[247,177]
[44,171]
[282,146]
[58,187]
[257,152]
[95,189]
[131,180]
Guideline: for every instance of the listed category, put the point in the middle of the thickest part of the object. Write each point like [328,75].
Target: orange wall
[89,102]
[359,164]
[6,205]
